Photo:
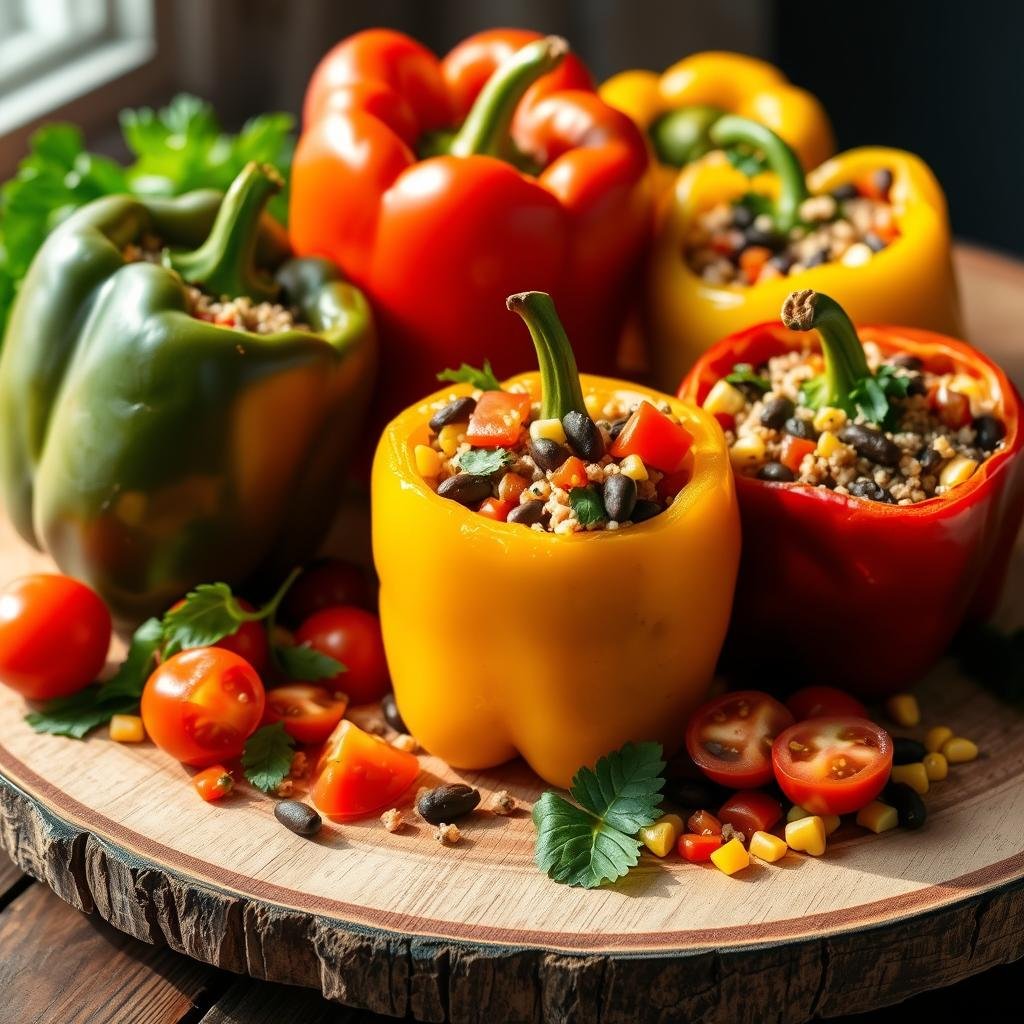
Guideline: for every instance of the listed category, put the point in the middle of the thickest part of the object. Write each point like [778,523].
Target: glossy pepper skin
[474,221]
[502,640]
[864,594]
[909,282]
[147,450]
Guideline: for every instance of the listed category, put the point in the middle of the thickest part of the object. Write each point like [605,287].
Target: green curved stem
[487,128]
[733,130]
[682,135]
[559,379]
[224,265]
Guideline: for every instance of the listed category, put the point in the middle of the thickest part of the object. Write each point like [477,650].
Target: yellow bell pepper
[910,282]
[505,640]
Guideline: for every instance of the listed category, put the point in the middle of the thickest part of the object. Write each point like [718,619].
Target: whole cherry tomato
[54,636]
[750,811]
[352,636]
[824,702]
[326,584]
[249,641]
[309,712]
[202,705]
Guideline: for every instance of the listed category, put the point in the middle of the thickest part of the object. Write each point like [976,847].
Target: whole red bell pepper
[493,170]
[858,592]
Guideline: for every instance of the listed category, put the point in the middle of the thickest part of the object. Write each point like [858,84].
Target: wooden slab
[402,926]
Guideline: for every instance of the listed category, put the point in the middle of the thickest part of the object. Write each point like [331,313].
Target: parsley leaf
[267,758]
[756,203]
[483,379]
[744,374]
[746,160]
[130,678]
[596,842]
[587,505]
[302,663]
[485,461]
[208,614]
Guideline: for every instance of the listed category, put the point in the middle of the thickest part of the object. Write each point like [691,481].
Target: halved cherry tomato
[352,636]
[698,849]
[249,641]
[571,473]
[793,451]
[730,737]
[824,702]
[326,584]
[308,712]
[832,765]
[498,419]
[54,636]
[496,509]
[361,774]
[213,783]
[750,811]
[659,441]
[202,705]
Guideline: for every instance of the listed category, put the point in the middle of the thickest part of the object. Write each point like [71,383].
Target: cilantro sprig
[483,379]
[744,375]
[267,758]
[587,505]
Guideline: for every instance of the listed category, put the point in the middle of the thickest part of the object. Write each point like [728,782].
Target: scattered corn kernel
[765,846]
[428,462]
[593,405]
[959,750]
[807,835]
[914,775]
[934,738]
[965,384]
[830,821]
[633,467]
[747,451]
[731,858]
[448,437]
[551,429]
[829,418]
[936,766]
[957,470]
[827,444]
[856,256]
[903,709]
[723,397]
[877,817]
[661,836]
[127,729]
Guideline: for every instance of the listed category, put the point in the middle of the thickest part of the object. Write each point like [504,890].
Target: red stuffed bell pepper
[881,489]
[490,171]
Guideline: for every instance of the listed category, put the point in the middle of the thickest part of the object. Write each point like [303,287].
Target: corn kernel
[661,836]
[633,467]
[965,384]
[747,451]
[877,817]
[914,775]
[765,846]
[934,738]
[731,857]
[957,470]
[428,462]
[829,418]
[807,835]
[551,429]
[723,397]
[830,821]
[856,256]
[959,750]
[594,406]
[827,444]
[936,766]
[127,729]
[902,708]
[448,437]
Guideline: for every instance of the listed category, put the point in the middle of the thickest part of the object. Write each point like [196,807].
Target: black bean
[446,803]
[866,488]
[989,430]
[905,361]
[782,262]
[300,818]
[692,794]
[616,427]
[528,513]
[391,713]
[799,427]
[583,436]
[644,510]
[817,258]
[907,751]
[548,454]
[762,239]
[776,472]
[619,497]
[742,216]
[873,242]
[930,459]
[775,410]
[882,180]
[910,808]
[916,384]
[465,488]
[454,412]
[846,191]
[871,444]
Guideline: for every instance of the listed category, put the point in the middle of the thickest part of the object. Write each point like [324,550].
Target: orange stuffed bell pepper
[470,177]
[868,227]
[557,558]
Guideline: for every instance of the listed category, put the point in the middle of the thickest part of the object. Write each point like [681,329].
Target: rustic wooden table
[57,965]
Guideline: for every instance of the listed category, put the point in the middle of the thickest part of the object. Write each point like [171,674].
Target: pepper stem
[487,128]
[681,136]
[224,265]
[559,379]
[845,363]
[732,130]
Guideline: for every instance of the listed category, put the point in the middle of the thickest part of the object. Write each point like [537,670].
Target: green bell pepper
[148,450]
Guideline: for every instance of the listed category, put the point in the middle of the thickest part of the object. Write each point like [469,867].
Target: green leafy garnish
[127,682]
[595,842]
[746,160]
[870,396]
[483,379]
[267,757]
[485,461]
[209,613]
[587,505]
[302,663]
[994,658]
[743,373]
[757,203]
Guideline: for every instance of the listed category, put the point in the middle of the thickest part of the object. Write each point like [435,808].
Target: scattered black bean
[873,242]
[907,751]
[930,459]
[446,803]
[782,262]
[583,436]
[763,239]
[742,216]
[465,488]
[799,427]
[882,180]
[775,410]
[905,361]
[528,513]
[910,808]
[817,258]
[616,427]
[776,472]
[298,817]
[845,191]
[454,412]
[548,454]
[866,488]
[619,497]
[644,510]
[871,444]
[391,713]
[989,430]
[692,794]
[916,384]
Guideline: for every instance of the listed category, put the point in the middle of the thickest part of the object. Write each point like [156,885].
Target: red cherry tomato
[352,636]
[832,765]
[361,774]
[54,636]
[698,849]
[730,737]
[310,713]
[213,783]
[824,702]
[326,584]
[249,641]
[202,705]
[750,811]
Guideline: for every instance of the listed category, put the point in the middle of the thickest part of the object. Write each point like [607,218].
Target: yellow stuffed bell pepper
[868,226]
[563,639]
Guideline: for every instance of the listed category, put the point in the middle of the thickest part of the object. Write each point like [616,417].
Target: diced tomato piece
[888,233]
[511,486]
[704,823]
[498,419]
[213,783]
[659,441]
[871,185]
[752,260]
[698,849]
[953,408]
[793,451]
[496,509]
[750,811]
[571,473]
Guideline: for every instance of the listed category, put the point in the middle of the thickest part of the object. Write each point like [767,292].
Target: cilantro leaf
[746,160]
[812,394]
[757,203]
[302,663]
[595,842]
[483,379]
[267,758]
[744,374]
[587,505]
[208,614]
[127,682]
[485,461]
